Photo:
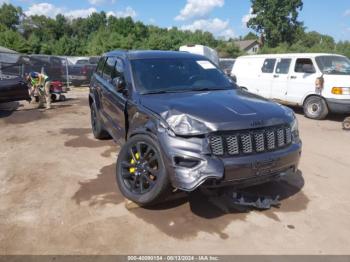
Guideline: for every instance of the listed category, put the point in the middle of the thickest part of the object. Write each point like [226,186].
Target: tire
[315,107]
[96,124]
[62,98]
[346,124]
[142,177]
[53,98]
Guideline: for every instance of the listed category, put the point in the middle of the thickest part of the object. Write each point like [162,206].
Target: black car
[14,89]
[183,123]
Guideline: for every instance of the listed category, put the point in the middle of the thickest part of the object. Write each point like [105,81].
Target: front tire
[141,175]
[96,124]
[315,107]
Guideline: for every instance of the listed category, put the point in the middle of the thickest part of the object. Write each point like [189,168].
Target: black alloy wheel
[141,174]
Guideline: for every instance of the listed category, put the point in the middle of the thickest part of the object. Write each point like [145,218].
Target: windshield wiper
[156,92]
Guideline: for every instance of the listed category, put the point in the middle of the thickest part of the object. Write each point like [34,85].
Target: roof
[149,54]
[6,50]
[290,55]
[246,44]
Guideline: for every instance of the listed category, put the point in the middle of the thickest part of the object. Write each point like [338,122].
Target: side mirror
[120,84]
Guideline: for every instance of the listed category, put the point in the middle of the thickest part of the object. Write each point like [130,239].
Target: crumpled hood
[217,110]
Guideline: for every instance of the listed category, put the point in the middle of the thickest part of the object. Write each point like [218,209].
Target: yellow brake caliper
[132,161]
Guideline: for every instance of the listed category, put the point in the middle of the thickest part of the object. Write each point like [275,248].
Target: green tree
[277,20]
[229,50]
[250,36]
[13,40]
[10,15]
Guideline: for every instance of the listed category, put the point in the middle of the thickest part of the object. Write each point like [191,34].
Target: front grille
[249,142]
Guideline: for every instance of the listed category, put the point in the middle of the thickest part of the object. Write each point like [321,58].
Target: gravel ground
[58,195]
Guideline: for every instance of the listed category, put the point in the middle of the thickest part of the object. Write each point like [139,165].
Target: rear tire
[315,107]
[96,124]
[141,175]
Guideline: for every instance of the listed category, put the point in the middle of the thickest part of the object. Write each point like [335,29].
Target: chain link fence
[71,71]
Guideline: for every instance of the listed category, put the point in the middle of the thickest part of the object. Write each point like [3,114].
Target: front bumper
[215,171]
[341,106]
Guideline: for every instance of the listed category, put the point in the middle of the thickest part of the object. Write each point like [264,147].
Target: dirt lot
[58,196]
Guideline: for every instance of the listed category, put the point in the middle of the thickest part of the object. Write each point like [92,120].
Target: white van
[203,50]
[291,79]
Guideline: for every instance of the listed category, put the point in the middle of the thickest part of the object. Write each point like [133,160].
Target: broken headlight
[184,125]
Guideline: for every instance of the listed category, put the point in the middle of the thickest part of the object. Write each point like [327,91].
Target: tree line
[274,21]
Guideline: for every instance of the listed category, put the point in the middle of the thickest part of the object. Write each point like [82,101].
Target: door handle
[276,76]
[293,77]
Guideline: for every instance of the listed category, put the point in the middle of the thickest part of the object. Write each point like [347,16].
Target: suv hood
[194,113]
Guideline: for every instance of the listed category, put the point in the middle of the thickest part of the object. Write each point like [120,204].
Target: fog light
[186,162]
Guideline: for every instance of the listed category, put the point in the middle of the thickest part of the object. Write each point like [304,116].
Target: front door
[114,102]
[302,80]
[279,85]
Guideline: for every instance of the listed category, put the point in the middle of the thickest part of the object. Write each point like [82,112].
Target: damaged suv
[183,123]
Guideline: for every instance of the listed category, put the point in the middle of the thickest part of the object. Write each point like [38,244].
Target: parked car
[290,79]
[226,65]
[80,72]
[13,89]
[182,123]
[51,65]
[203,50]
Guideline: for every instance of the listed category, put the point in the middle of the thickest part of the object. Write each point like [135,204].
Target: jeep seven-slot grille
[249,142]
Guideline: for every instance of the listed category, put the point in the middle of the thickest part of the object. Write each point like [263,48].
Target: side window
[269,65]
[283,66]
[109,69]
[56,61]
[304,65]
[100,65]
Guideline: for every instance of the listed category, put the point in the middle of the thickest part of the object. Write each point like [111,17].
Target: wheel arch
[310,95]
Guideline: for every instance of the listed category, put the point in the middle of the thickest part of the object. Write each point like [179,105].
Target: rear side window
[283,66]
[109,68]
[100,65]
[56,61]
[119,68]
[269,65]
[304,65]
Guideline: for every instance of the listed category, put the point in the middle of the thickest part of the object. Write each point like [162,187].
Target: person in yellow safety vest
[40,83]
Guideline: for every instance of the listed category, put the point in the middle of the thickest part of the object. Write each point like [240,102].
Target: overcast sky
[224,18]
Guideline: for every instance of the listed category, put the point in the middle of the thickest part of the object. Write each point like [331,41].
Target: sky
[224,18]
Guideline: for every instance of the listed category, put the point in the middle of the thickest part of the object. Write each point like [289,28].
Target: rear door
[13,90]
[302,80]
[266,77]
[279,87]
[114,102]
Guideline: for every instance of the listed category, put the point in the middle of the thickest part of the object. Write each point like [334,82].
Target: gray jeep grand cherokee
[183,124]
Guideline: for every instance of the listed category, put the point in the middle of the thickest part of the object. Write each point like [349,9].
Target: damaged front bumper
[190,164]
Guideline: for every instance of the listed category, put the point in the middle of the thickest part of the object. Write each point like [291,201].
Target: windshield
[177,75]
[334,65]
